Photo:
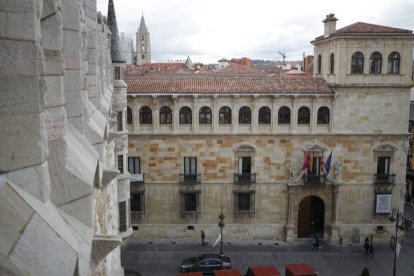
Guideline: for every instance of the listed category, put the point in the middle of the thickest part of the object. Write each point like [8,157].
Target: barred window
[225,115]
[245,115]
[165,115]
[304,116]
[323,115]
[121,163]
[264,115]
[357,63]
[145,115]
[394,63]
[186,115]
[205,115]
[122,216]
[375,63]
[244,201]
[284,115]
[190,201]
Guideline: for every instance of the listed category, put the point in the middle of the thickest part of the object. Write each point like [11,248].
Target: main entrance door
[311,217]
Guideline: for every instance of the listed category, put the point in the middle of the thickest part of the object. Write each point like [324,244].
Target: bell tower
[143,44]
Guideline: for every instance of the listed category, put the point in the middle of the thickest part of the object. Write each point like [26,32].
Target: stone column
[195,109]
[215,114]
[135,115]
[335,214]
[314,117]
[289,221]
[294,117]
[175,115]
[234,114]
[255,116]
[155,115]
[274,114]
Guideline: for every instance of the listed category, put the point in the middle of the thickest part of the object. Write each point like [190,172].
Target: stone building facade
[58,174]
[285,157]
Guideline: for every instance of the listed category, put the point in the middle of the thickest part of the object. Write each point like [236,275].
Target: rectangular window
[134,166]
[122,217]
[244,201]
[121,163]
[245,165]
[119,120]
[383,165]
[117,72]
[190,201]
[137,202]
[190,165]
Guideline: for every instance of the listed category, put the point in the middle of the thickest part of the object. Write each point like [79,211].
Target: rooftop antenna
[283,54]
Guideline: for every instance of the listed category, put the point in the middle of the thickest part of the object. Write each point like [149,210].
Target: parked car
[206,263]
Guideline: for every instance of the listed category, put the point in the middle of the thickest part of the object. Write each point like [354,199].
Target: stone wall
[58,194]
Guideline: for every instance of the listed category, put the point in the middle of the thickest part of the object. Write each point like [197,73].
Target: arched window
[357,63]
[225,115]
[245,115]
[185,115]
[375,63]
[319,64]
[165,115]
[145,115]
[304,116]
[129,115]
[323,115]
[394,63]
[205,115]
[264,115]
[283,117]
[332,63]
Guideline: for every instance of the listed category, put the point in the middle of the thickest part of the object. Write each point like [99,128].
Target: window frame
[186,116]
[375,63]
[129,115]
[394,63]
[304,115]
[185,196]
[284,118]
[251,204]
[165,115]
[134,164]
[245,115]
[332,63]
[357,63]
[123,221]
[117,73]
[120,163]
[205,116]
[319,64]
[265,116]
[141,204]
[225,115]
[145,115]
[323,116]
[120,123]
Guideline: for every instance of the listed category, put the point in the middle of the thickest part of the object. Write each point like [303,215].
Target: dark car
[206,263]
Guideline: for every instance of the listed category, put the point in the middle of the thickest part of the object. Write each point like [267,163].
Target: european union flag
[328,163]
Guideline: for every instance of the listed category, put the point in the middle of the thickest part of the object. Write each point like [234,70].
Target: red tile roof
[225,84]
[366,29]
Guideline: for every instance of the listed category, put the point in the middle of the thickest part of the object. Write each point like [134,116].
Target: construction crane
[283,54]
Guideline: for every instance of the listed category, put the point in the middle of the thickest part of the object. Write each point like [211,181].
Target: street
[163,257]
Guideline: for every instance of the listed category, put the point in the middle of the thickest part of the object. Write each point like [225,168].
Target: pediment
[386,148]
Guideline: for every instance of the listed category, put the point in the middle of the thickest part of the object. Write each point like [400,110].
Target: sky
[208,30]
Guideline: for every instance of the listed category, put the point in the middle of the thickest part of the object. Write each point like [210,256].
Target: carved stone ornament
[315,146]
[386,148]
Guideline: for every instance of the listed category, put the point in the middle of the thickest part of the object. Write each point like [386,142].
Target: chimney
[330,24]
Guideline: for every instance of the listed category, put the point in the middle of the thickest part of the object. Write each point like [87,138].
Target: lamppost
[397,215]
[221,225]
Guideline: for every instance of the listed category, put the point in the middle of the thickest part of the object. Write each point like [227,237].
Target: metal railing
[384,178]
[190,178]
[314,179]
[137,178]
[244,178]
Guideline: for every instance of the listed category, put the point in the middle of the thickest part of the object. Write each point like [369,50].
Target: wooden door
[311,217]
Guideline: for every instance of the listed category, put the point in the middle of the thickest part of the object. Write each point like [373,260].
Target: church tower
[143,44]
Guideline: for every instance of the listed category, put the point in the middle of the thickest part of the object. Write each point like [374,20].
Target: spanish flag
[307,162]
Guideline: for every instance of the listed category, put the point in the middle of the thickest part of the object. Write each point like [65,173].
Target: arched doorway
[311,217]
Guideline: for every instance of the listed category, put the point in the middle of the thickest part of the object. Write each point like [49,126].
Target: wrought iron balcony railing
[244,178]
[190,178]
[314,179]
[384,179]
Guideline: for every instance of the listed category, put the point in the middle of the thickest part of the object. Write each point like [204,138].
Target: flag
[217,241]
[328,163]
[321,164]
[307,162]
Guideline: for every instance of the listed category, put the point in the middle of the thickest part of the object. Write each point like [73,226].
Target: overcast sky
[207,30]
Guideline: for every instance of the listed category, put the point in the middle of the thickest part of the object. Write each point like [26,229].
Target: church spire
[142,26]
[113,27]
[143,43]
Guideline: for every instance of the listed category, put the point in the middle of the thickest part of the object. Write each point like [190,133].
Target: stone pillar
[155,115]
[175,115]
[335,235]
[289,221]
[195,109]
[294,117]
[235,114]
[215,114]
[274,118]
[314,117]
[255,116]
[135,115]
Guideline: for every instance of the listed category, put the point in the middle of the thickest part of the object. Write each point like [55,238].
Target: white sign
[383,204]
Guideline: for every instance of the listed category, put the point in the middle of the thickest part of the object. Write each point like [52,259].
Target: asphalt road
[163,257]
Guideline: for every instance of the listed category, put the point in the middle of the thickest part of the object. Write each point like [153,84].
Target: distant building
[127,48]
[143,44]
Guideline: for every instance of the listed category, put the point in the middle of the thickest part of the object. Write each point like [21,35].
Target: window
[119,120]
[245,165]
[129,115]
[117,72]
[332,63]
[165,115]
[122,217]
[357,63]
[264,115]
[190,201]
[121,163]
[283,115]
[143,56]
[394,63]
[245,115]
[244,201]
[190,169]
[137,202]
[185,115]
[205,115]
[304,116]
[319,64]
[375,63]
[145,115]
[315,167]
[134,166]
[383,165]
[225,115]
[323,115]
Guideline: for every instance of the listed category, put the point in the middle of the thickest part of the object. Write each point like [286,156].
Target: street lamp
[221,225]
[397,216]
